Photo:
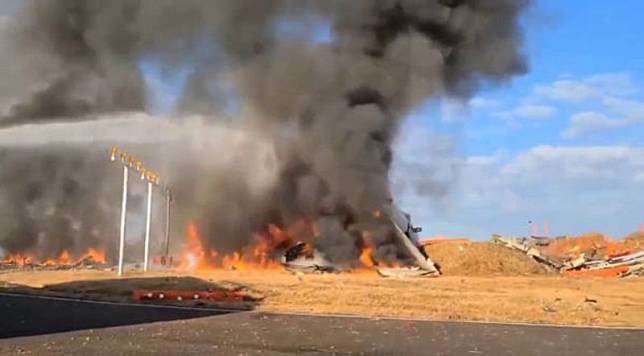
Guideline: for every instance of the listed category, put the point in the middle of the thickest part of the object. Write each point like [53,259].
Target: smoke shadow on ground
[97,304]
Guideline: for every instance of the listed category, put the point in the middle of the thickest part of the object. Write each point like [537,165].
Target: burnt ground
[253,333]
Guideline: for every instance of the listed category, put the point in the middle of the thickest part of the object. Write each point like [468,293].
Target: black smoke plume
[330,105]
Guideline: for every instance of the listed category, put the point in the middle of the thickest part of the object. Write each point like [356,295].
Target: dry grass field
[532,299]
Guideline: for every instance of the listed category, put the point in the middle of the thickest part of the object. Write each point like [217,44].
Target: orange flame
[260,255]
[366,257]
[194,256]
[18,259]
[264,251]
[97,255]
[64,259]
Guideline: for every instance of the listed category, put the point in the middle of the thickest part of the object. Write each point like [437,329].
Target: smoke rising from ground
[63,193]
[331,108]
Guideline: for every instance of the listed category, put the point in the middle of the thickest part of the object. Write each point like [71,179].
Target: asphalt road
[253,333]
[22,315]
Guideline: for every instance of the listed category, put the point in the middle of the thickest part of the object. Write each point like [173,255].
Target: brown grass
[536,299]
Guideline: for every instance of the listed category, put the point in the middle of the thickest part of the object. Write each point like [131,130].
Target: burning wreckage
[384,241]
[296,250]
[304,258]
[342,104]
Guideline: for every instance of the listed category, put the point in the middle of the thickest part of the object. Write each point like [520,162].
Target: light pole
[168,202]
[123,216]
[147,230]
[152,178]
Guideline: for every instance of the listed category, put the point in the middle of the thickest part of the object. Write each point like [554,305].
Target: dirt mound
[483,259]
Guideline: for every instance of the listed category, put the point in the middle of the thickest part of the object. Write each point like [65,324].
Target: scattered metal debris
[410,272]
[529,248]
[627,263]
[303,258]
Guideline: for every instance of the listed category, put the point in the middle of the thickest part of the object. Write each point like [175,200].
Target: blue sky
[569,40]
[561,145]
[9,7]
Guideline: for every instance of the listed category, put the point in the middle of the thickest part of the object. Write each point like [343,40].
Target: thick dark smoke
[48,213]
[60,191]
[332,107]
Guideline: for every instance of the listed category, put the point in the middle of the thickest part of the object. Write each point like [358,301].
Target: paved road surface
[27,316]
[255,333]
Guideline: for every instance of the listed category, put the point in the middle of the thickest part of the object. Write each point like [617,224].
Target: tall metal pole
[123,216]
[168,198]
[146,258]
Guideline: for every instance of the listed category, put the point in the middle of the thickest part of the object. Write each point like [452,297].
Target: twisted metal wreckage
[624,264]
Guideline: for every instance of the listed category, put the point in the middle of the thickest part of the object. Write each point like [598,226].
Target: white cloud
[528,111]
[484,103]
[625,112]
[535,111]
[591,87]
[613,83]
[570,162]
[630,109]
[453,110]
[639,176]
[567,90]
[574,189]
[585,123]
[481,160]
